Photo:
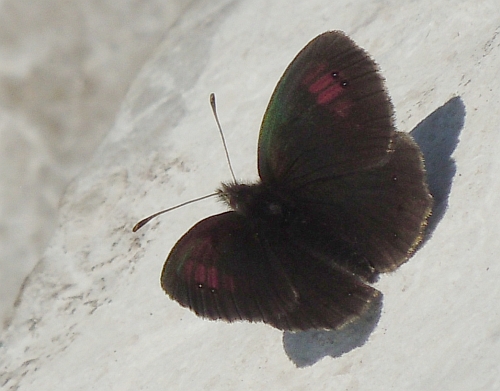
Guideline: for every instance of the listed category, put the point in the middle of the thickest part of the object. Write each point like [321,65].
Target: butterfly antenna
[214,110]
[143,222]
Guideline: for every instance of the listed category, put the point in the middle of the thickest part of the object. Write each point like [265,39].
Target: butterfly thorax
[256,201]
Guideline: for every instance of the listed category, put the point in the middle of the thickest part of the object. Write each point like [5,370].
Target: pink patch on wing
[208,277]
[320,84]
[191,268]
[200,274]
[212,278]
[326,86]
[329,94]
[313,74]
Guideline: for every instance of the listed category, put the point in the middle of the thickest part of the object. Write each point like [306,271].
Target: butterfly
[342,197]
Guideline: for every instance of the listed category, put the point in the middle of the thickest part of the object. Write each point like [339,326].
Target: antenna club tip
[140,224]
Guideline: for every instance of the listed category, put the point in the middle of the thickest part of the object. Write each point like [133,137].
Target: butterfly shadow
[437,136]
[305,348]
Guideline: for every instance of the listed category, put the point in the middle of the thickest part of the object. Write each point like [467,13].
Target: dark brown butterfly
[342,197]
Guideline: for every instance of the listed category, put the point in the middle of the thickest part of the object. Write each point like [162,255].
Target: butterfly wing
[371,221]
[218,269]
[328,144]
[329,115]
[328,296]
[226,267]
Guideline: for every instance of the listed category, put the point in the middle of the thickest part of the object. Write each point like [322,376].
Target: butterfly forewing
[220,270]
[329,115]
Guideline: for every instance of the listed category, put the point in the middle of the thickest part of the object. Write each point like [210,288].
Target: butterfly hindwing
[388,206]
[368,222]
[328,297]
